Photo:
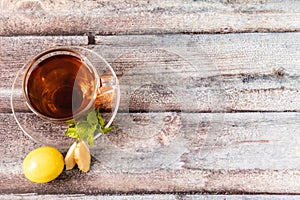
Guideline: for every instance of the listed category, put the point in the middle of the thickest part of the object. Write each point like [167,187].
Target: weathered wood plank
[162,181]
[188,73]
[197,141]
[144,17]
[91,197]
[148,197]
[212,152]
[238,72]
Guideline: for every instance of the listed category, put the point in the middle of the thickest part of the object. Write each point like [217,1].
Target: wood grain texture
[242,153]
[187,73]
[147,17]
[148,197]
[177,132]
[162,181]
[237,72]
[192,141]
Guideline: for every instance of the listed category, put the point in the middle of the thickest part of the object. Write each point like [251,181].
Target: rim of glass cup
[70,50]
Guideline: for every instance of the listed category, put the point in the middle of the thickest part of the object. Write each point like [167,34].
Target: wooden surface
[201,113]
[147,17]
[148,197]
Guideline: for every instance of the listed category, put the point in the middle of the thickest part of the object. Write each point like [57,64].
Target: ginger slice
[82,156]
[69,159]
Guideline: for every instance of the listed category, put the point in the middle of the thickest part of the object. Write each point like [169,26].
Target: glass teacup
[64,83]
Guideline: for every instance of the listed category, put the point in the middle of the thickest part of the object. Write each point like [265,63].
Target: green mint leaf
[100,119]
[98,128]
[101,126]
[91,140]
[83,128]
[106,130]
[71,123]
[72,132]
[92,118]
[91,134]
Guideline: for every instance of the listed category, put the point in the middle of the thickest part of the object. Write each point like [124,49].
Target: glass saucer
[52,133]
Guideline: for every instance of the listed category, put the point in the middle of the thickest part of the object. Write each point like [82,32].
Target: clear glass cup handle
[107,84]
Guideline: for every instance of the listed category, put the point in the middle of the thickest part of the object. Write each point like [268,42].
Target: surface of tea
[61,86]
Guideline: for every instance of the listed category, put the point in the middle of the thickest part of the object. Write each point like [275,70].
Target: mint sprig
[85,128]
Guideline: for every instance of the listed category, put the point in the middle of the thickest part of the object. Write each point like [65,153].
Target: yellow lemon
[43,164]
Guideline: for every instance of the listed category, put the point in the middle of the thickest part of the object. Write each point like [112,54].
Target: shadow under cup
[62,84]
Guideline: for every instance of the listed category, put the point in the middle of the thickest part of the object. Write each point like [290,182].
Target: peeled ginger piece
[82,156]
[78,153]
[69,159]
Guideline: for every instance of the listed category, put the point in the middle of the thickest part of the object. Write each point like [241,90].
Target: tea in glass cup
[62,83]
